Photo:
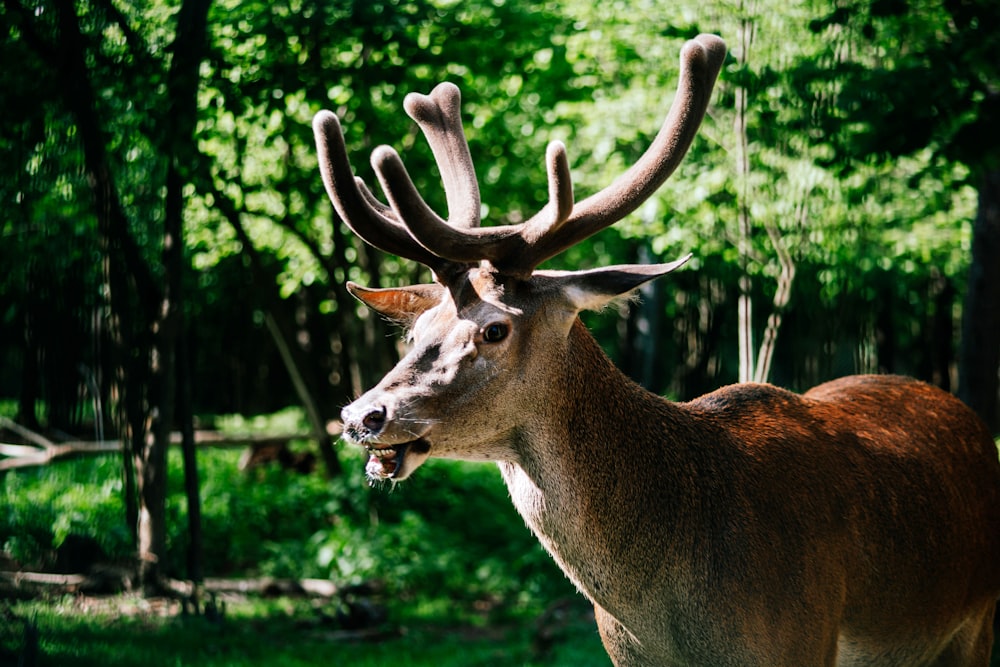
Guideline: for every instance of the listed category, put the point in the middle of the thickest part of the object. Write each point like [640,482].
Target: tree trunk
[28,397]
[979,358]
[884,334]
[128,281]
[745,300]
[306,396]
[180,150]
[941,334]
[782,295]
[192,487]
[145,320]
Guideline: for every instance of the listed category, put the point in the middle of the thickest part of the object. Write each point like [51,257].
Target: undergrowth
[447,536]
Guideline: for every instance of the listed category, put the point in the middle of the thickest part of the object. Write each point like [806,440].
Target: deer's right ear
[400,304]
[593,289]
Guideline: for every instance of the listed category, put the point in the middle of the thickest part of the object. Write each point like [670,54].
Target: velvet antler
[408,227]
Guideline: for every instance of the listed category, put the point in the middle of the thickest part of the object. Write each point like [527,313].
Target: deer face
[491,333]
[484,355]
[433,402]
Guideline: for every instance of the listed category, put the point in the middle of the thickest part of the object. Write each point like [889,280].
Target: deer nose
[364,421]
[374,420]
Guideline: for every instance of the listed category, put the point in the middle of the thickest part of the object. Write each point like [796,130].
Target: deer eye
[496,332]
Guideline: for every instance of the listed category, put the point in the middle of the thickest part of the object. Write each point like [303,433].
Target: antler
[374,222]
[513,249]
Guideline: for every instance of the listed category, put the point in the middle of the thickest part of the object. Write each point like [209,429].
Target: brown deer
[857,524]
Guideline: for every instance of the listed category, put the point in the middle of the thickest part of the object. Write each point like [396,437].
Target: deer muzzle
[368,426]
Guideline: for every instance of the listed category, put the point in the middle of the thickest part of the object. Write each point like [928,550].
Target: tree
[921,77]
[145,307]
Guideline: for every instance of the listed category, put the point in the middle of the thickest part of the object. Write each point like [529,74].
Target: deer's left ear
[400,304]
[593,289]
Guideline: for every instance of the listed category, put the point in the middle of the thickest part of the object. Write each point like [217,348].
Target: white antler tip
[448,97]
[704,49]
[445,97]
[382,155]
[325,120]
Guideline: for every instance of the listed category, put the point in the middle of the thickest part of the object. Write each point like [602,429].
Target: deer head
[487,333]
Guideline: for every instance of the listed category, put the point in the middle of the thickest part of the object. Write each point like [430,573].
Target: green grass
[81,632]
[452,531]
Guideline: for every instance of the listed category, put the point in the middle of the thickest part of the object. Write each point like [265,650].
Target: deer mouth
[396,462]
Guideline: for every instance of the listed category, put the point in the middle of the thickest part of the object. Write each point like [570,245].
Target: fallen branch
[116,579]
[42,451]
[28,585]
[265,586]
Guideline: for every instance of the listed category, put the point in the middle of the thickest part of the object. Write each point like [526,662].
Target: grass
[127,632]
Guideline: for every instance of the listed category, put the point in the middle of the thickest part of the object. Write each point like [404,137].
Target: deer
[855,524]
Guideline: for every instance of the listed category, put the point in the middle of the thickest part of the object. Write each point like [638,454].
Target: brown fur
[865,513]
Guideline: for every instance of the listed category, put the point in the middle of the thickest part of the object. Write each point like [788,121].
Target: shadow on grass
[78,633]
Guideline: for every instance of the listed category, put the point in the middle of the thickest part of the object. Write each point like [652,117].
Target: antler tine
[440,118]
[457,240]
[701,60]
[501,244]
[355,203]
[560,205]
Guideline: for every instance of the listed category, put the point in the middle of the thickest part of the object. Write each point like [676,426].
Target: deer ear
[400,304]
[594,289]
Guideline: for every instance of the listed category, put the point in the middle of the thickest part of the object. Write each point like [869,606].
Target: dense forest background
[168,252]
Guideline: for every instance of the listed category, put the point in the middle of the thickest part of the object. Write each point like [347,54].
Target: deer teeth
[386,453]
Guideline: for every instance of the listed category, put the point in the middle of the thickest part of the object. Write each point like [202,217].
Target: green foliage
[922,76]
[818,80]
[45,505]
[254,522]
[451,532]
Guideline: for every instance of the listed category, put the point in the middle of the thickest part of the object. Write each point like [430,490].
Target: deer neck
[604,447]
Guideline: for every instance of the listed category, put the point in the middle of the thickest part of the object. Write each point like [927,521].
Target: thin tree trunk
[130,286]
[180,150]
[782,295]
[192,486]
[745,307]
[979,358]
[942,331]
[316,421]
[28,397]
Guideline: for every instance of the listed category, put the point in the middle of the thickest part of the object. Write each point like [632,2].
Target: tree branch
[45,451]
